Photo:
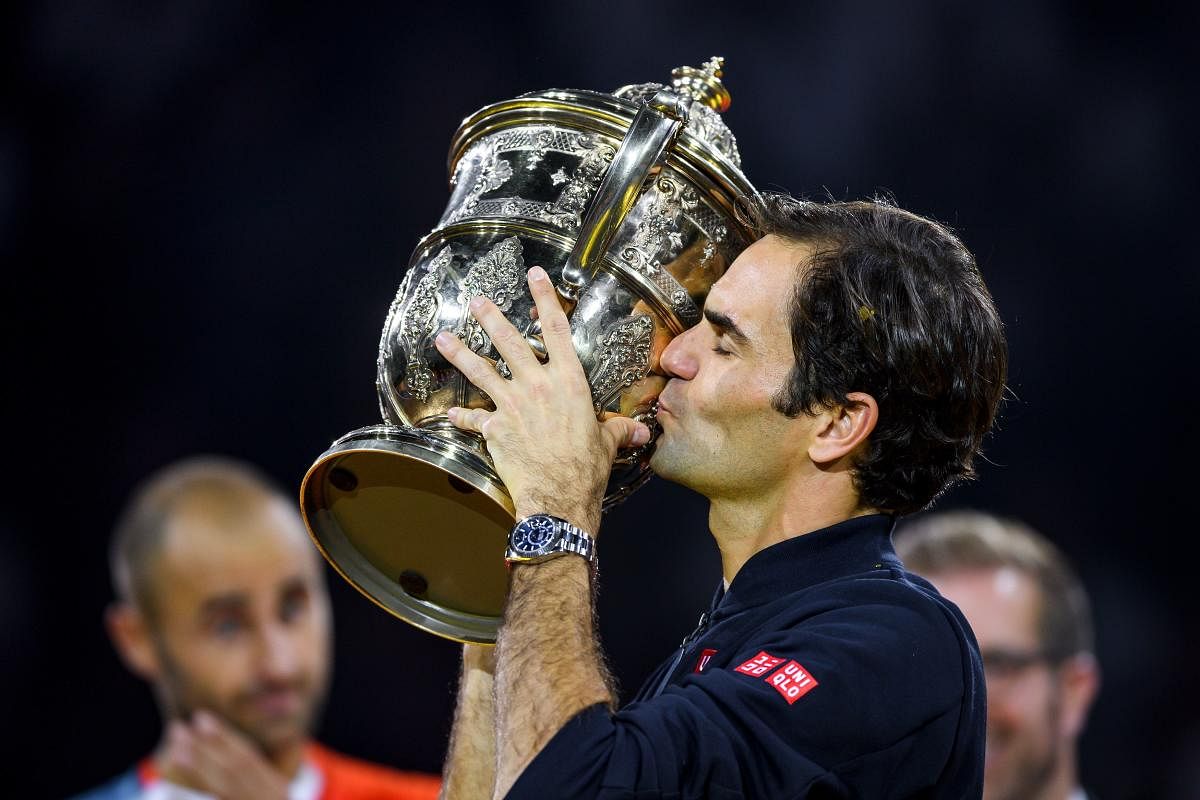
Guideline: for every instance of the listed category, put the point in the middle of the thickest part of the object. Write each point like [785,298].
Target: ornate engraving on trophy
[419,322]
[495,175]
[527,147]
[542,140]
[660,222]
[567,210]
[707,125]
[497,276]
[659,236]
[623,359]
[494,172]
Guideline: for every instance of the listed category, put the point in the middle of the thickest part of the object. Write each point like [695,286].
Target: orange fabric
[345,778]
[350,779]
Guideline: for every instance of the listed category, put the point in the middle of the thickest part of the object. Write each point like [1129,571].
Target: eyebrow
[725,324]
[223,603]
[294,584]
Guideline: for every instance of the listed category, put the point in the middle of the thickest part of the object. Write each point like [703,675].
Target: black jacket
[826,670]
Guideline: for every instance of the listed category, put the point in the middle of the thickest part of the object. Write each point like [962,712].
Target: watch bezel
[525,526]
[567,539]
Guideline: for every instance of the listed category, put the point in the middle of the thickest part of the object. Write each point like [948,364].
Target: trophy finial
[703,84]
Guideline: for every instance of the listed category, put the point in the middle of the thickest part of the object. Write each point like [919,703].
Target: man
[848,367]
[222,607]
[1031,616]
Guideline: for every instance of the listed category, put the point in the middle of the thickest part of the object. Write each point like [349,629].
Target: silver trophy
[634,202]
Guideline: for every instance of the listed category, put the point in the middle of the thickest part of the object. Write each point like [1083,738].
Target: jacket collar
[855,545]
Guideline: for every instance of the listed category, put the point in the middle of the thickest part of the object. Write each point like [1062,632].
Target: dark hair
[953,541]
[140,527]
[893,305]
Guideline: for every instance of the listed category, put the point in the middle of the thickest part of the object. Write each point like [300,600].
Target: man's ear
[844,428]
[131,636]
[1080,679]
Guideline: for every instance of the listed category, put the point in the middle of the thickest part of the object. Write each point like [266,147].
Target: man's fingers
[622,432]
[469,419]
[507,340]
[224,740]
[478,370]
[179,757]
[210,768]
[229,764]
[556,328]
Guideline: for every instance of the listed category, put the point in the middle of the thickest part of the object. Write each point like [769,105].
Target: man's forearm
[470,769]
[549,665]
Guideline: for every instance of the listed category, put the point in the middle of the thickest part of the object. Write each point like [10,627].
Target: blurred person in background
[1032,618]
[222,607]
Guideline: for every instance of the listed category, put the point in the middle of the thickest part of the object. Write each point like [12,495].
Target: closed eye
[723,325]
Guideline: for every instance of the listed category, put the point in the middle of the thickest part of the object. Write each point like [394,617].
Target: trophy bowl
[634,203]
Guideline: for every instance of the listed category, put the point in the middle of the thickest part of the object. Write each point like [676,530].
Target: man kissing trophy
[634,203]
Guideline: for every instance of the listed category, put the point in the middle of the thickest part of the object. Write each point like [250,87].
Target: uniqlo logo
[793,682]
[760,665]
[702,662]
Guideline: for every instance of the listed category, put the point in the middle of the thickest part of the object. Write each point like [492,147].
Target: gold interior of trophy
[425,541]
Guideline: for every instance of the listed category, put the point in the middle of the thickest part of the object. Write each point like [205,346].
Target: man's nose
[277,657]
[1002,713]
[678,359]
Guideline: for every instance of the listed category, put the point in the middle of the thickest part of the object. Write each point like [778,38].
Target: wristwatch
[540,537]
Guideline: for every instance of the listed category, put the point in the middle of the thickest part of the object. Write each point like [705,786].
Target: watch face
[533,535]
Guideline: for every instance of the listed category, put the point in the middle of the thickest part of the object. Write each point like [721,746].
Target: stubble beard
[664,462]
[1032,771]
[675,461]
[180,696]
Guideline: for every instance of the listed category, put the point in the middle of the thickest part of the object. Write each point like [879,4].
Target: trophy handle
[652,131]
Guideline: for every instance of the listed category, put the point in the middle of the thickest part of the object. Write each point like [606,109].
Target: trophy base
[418,521]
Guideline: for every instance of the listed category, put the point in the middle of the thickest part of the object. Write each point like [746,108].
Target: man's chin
[672,462]
[665,466]
[1016,776]
[273,735]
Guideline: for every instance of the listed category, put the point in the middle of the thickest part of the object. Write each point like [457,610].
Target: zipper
[683,646]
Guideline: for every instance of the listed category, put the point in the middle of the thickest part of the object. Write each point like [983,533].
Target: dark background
[206,208]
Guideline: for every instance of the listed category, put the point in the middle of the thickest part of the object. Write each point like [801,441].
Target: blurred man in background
[222,607]
[1031,616]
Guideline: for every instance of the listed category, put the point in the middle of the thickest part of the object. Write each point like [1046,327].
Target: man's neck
[1064,782]
[743,526]
[1060,782]
[289,760]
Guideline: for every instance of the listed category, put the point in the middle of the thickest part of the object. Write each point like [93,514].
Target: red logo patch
[703,662]
[793,682]
[760,665]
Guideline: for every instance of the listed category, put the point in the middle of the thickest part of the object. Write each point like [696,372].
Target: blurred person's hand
[209,756]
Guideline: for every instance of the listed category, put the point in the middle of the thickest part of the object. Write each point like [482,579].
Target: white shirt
[305,786]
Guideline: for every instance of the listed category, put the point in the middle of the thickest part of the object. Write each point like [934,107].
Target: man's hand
[548,447]
[555,458]
[209,756]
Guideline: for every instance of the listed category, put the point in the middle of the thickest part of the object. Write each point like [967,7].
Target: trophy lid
[706,148]
[704,84]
